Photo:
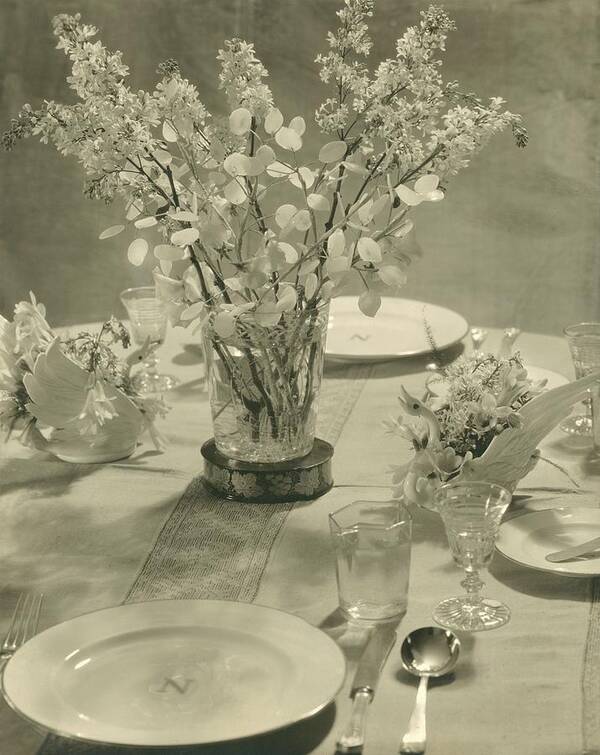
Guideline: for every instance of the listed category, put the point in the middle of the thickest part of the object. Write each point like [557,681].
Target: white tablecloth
[84,534]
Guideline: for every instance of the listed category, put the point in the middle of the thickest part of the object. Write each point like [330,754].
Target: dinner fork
[23,624]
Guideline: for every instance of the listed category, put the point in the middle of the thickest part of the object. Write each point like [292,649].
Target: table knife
[364,684]
[575,550]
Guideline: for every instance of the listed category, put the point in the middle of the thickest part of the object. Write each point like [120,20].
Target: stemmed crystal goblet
[471,512]
[478,336]
[584,344]
[148,320]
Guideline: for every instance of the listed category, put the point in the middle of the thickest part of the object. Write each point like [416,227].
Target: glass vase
[263,384]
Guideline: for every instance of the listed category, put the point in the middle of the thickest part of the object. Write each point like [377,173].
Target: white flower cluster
[21,341]
[404,117]
[241,78]
[27,338]
[230,245]
[472,402]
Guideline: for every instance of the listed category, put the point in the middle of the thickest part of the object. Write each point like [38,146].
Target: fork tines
[23,624]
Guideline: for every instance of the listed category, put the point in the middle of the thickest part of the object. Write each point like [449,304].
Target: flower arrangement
[211,186]
[64,392]
[251,233]
[482,419]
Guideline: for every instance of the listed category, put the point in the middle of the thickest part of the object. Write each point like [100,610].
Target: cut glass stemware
[584,344]
[471,512]
[148,320]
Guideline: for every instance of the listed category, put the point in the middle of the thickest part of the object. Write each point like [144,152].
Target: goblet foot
[467,616]
[580,424]
[154,382]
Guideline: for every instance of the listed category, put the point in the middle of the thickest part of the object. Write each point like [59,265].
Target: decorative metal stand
[297,479]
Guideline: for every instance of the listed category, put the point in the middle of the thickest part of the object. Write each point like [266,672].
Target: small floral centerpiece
[71,396]
[482,419]
[254,236]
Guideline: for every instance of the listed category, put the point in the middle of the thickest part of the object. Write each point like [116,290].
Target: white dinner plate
[174,672]
[397,330]
[553,379]
[528,539]
[438,387]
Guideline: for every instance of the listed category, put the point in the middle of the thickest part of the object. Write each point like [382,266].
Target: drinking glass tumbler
[584,343]
[148,319]
[471,512]
[371,540]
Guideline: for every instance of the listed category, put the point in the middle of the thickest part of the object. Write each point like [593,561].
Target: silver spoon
[425,652]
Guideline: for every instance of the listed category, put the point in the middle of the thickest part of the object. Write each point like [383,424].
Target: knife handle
[353,736]
[574,551]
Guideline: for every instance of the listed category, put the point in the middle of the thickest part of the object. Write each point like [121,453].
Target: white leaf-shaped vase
[512,454]
[58,391]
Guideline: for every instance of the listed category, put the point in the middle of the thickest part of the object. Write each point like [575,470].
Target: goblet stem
[478,336]
[473,586]
[150,380]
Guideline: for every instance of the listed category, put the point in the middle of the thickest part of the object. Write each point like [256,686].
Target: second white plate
[553,379]
[397,330]
[174,672]
[528,539]
[439,388]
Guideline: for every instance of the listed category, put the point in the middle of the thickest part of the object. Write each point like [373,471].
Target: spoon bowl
[430,651]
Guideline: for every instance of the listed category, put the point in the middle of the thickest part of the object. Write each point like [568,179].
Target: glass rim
[397,503]
[135,289]
[472,484]
[570,330]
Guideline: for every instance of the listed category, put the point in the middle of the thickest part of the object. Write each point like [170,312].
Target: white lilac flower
[97,409]
[331,116]
[242,77]
[423,122]
[32,334]
[11,371]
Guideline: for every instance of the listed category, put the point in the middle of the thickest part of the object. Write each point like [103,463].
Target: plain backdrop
[515,242]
